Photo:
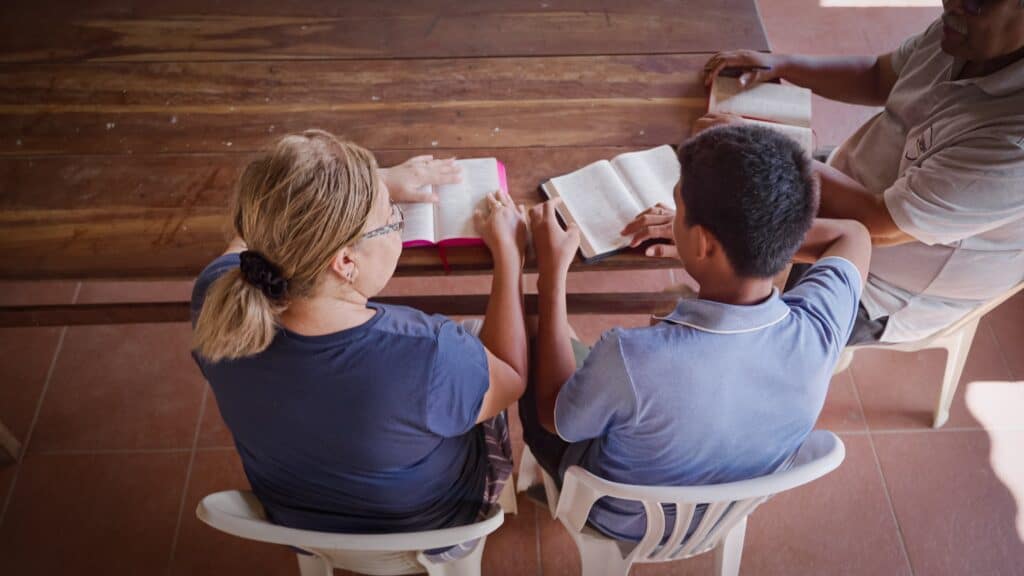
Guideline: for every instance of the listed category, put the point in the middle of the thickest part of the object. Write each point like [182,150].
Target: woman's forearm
[504,330]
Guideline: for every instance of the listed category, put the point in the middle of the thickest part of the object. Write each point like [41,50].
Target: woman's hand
[409,181]
[503,226]
[655,223]
[760,67]
[554,246]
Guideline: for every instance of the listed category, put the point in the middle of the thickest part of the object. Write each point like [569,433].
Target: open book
[601,198]
[449,222]
[783,108]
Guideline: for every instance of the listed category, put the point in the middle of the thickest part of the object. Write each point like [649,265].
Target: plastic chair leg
[958,347]
[600,557]
[310,565]
[507,499]
[467,566]
[729,551]
[527,470]
[845,358]
[551,492]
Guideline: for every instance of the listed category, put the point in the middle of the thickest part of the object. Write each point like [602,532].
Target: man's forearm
[850,79]
[844,197]
[504,331]
[554,357]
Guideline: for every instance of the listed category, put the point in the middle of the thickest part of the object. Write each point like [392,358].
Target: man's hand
[655,223]
[555,247]
[712,119]
[409,181]
[760,67]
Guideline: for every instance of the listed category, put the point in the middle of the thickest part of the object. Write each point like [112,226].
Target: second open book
[601,198]
[780,107]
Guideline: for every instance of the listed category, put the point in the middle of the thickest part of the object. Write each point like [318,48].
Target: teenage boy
[728,385]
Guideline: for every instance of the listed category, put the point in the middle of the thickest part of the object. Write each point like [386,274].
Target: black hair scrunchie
[261,273]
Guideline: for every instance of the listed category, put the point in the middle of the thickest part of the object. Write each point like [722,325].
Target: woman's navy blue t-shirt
[371,429]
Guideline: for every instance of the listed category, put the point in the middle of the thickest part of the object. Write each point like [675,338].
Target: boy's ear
[704,243]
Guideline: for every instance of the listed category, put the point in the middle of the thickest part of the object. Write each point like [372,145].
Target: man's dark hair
[753,189]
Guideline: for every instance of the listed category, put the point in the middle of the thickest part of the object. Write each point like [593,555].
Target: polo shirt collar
[720,318]
[1002,83]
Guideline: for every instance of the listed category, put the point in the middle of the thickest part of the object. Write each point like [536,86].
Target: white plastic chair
[722,528]
[955,340]
[240,514]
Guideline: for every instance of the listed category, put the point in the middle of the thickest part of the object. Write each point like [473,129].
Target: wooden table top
[125,128]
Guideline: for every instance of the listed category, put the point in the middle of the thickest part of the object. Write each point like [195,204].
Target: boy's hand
[503,226]
[409,181]
[555,247]
[655,223]
[761,67]
[712,119]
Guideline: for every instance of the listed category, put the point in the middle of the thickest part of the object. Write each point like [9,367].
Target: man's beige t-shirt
[948,157]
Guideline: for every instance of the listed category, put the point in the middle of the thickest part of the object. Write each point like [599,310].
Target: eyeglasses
[398,224]
[971,7]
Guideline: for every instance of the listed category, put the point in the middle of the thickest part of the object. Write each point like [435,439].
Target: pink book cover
[503,181]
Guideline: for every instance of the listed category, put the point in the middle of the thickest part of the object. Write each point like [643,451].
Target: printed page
[803,136]
[599,203]
[454,214]
[651,175]
[419,223]
[762,101]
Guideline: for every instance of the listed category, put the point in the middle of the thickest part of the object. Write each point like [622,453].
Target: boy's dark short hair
[753,189]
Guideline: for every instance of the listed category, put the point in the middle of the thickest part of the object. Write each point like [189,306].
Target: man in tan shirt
[937,176]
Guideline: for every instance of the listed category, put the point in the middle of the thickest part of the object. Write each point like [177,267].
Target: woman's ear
[344,267]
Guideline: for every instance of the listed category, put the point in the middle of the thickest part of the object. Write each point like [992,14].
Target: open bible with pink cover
[449,222]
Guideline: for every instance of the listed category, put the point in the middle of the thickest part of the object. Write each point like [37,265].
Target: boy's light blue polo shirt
[714,393]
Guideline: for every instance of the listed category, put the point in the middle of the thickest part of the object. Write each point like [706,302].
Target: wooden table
[124,128]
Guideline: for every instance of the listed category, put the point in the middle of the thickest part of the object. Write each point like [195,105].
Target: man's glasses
[397,224]
[972,7]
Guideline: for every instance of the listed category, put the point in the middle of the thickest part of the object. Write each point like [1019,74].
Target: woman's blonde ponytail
[296,207]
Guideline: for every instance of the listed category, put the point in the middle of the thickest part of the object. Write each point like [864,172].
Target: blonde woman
[352,416]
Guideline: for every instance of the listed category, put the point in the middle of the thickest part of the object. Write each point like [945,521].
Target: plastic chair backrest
[727,503]
[240,514]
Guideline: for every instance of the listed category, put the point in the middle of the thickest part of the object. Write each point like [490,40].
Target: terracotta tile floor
[124,439]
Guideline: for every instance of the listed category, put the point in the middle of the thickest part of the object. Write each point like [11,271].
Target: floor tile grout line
[108,451]
[536,535]
[892,507]
[943,430]
[35,415]
[188,479]
[214,448]
[881,473]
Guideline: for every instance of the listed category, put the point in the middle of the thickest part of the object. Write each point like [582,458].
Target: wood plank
[455,305]
[190,30]
[200,84]
[165,216]
[485,124]
[437,104]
